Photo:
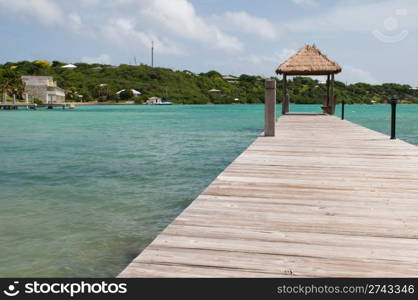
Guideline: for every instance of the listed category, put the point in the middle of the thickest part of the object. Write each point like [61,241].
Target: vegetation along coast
[131,84]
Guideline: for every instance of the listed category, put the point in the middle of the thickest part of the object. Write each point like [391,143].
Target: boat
[165,102]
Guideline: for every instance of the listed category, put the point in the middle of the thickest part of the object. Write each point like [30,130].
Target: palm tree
[3,89]
[72,93]
[5,86]
[11,84]
[103,91]
[18,88]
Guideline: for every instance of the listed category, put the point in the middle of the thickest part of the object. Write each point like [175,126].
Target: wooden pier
[323,198]
[15,106]
[55,105]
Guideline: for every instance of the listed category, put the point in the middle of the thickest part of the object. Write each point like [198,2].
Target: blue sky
[373,40]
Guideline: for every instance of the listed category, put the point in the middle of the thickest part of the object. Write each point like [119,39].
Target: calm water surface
[82,192]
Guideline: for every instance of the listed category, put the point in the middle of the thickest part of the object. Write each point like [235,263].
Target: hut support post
[327,105]
[326,98]
[285,102]
[270,108]
[332,98]
[328,91]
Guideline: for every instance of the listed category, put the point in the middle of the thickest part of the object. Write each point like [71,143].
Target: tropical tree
[103,92]
[43,63]
[71,93]
[18,88]
[3,86]
[11,84]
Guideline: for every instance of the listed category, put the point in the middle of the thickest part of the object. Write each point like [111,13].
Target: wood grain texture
[270,108]
[323,198]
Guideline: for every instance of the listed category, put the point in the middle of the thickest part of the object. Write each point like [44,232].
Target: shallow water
[82,192]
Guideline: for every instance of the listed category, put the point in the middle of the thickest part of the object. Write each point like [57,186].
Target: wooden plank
[323,198]
[277,265]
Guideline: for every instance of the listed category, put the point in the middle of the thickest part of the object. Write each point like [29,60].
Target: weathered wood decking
[323,198]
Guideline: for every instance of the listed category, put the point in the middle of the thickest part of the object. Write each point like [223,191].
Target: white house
[230,78]
[154,101]
[43,88]
[134,92]
[215,91]
[69,66]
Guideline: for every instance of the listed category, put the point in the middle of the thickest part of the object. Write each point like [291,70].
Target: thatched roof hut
[308,61]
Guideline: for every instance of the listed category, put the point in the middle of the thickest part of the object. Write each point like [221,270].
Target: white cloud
[252,24]
[264,64]
[306,2]
[179,17]
[361,17]
[118,30]
[75,19]
[276,59]
[74,22]
[257,59]
[90,2]
[133,23]
[123,32]
[353,74]
[102,59]
[284,54]
[44,11]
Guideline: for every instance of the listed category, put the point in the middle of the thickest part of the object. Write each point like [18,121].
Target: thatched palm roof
[308,61]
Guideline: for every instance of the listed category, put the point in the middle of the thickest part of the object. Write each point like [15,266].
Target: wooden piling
[270,108]
[285,102]
[332,95]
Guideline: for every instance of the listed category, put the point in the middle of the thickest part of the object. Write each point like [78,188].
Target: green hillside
[101,82]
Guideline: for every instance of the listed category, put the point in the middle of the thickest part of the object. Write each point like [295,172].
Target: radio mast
[152,54]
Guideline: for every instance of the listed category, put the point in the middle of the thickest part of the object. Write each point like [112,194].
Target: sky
[375,41]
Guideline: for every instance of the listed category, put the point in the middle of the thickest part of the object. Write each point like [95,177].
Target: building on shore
[230,78]
[215,92]
[43,88]
[157,101]
[154,101]
[69,66]
[134,92]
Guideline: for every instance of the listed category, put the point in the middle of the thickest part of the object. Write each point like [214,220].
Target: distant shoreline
[211,104]
[95,103]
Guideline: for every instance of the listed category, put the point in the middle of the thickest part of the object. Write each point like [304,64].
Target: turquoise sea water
[83,191]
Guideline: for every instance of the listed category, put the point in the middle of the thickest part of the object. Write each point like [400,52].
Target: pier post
[343,110]
[285,102]
[328,90]
[333,101]
[393,102]
[270,108]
